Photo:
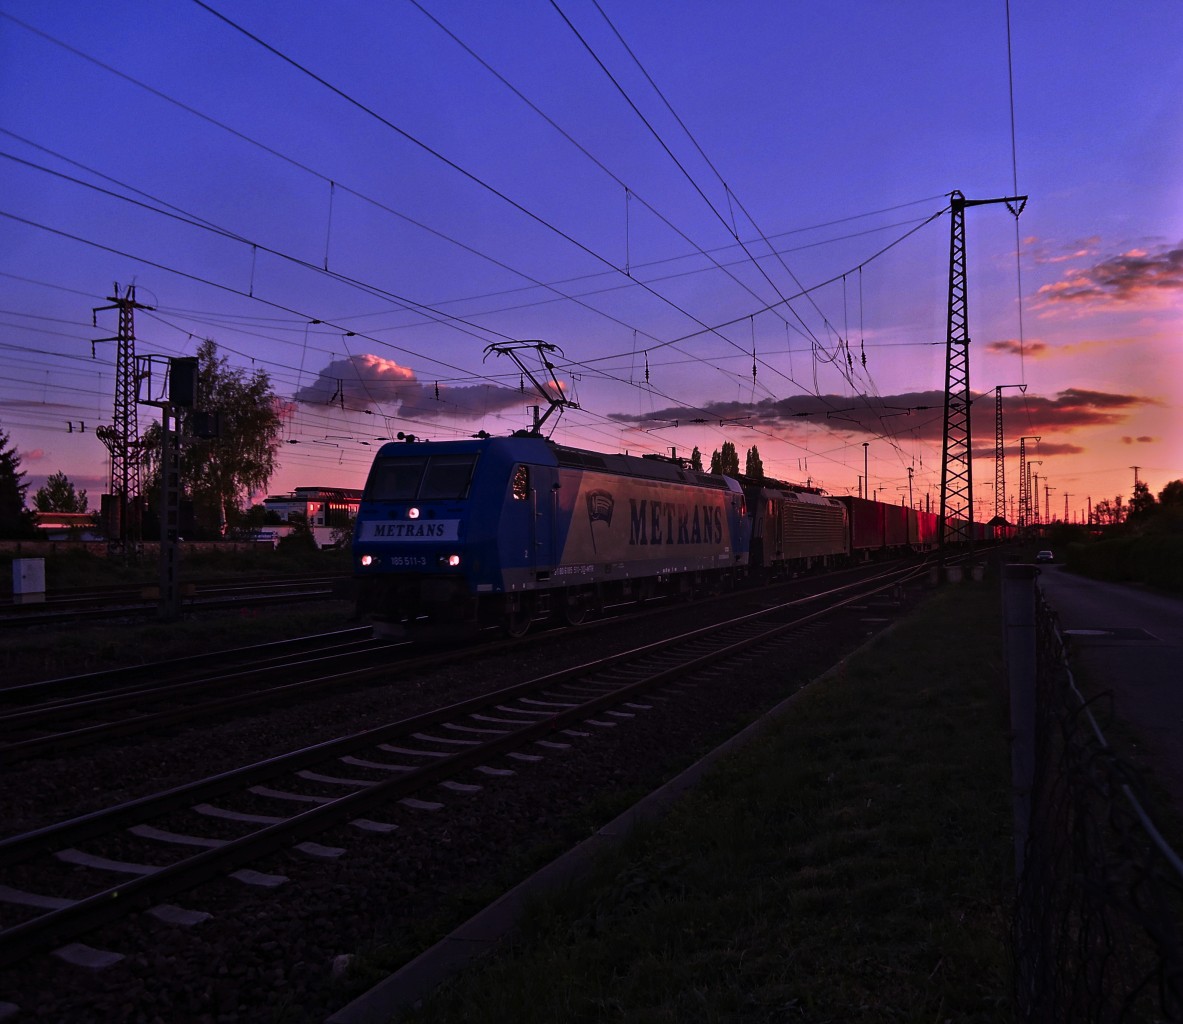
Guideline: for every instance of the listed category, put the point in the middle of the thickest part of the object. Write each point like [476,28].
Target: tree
[754,466]
[220,473]
[57,494]
[1142,504]
[1171,496]
[725,461]
[15,520]
[1109,513]
[696,459]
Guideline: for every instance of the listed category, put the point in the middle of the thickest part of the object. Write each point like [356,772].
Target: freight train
[507,531]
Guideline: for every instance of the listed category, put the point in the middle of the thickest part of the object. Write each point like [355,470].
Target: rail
[491,725]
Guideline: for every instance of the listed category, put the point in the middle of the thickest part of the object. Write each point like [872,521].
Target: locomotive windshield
[420,478]
[447,477]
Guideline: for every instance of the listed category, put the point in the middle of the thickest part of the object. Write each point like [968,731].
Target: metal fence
[1097,924]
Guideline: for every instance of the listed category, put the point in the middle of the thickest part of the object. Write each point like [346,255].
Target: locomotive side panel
[651,525]
[811,526]
[598,526]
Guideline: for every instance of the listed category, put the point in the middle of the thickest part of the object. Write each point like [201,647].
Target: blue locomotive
[505,531]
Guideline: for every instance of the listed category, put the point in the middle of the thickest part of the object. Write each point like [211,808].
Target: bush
[1155,559]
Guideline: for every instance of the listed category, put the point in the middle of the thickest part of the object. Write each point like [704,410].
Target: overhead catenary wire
[241,135]
[728,192]
[473,177]
[629,192]
[185,274]
[1014,158]
[848,370]
[299,324]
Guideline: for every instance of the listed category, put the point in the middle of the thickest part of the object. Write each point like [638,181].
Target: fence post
[1018,617]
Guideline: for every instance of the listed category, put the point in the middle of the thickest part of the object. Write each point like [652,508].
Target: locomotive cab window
[448,477]
[395,479]
[420,478]
[520,488]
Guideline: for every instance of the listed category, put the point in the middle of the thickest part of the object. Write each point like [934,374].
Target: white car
[1045,556]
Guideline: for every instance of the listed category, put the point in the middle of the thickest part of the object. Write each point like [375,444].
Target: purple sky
[688,188]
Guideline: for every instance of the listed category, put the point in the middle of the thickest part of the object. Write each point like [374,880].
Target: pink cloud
[372,382]
[1135,275]
[1043,252]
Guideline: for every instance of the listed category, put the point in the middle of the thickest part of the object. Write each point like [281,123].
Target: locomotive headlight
[367,559]
[412,513]
[451,560]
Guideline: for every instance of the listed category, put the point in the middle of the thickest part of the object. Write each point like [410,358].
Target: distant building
[318,506]
[67,525]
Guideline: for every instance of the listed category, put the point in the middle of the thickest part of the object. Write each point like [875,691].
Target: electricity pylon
[956,457]
[122,436]
[1000,451]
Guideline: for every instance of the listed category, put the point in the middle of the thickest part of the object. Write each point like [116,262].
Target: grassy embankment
[852,865]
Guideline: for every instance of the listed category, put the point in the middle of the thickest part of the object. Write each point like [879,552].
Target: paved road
[1131,640]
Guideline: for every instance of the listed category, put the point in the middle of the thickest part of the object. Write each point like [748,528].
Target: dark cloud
[1074,408]
[1011,346]
[1142,439]
[1034,451]
[839,412]
[918,413]
[372,382]
[92,484]
[1037,450]
[1126,278]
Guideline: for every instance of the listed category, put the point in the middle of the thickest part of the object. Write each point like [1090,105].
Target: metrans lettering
[428,529]
[668,522]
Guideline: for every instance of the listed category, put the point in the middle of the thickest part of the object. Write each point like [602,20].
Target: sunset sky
[731,221]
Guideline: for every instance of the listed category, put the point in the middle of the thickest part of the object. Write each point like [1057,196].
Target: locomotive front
[417,549]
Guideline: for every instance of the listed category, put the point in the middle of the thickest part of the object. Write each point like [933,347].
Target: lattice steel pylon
[1000,452]
[956,456]
[122,436]
[1024,517]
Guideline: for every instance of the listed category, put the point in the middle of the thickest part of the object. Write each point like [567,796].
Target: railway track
[139,600]
[53,716]
[55,881]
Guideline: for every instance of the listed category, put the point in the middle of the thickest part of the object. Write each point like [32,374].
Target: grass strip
[852,865]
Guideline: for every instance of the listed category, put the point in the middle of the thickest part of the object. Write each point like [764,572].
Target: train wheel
[577,604]
[519,614]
